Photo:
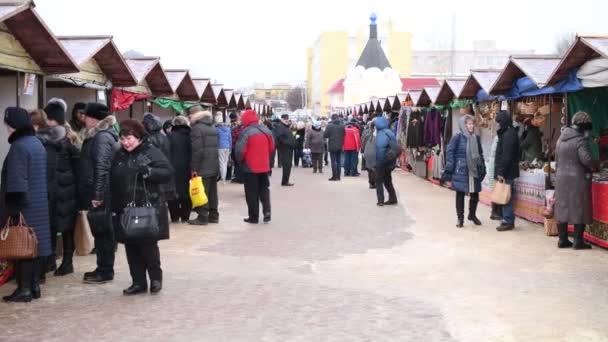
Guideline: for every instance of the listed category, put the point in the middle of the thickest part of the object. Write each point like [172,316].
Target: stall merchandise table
[597,232]
[530,195]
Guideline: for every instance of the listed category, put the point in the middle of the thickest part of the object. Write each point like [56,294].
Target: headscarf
[473,156]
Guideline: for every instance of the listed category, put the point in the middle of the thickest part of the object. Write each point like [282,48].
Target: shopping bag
[198,197]
[83,238]
[551,227]
[18,241]
[501,193]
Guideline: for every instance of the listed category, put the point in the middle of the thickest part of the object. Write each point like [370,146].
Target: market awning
[450,89]
[247,103]
[584,49]
[220,96]
[99,61]
[182,84]
[477,80]
[229,93]
[415,96]
[538,68]
[150,76]
[204,90]
[27,44]
[240,104]
[428,96]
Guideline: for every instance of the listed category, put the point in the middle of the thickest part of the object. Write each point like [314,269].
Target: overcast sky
[239,42]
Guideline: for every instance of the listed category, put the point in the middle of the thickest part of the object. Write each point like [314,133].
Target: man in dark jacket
[384,167]
[154,128]
[253,150]
[205,162]
[94,185]
[335,133]
[507,164]
[181,152]
[286,143]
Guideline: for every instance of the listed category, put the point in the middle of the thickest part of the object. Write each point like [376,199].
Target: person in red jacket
[254,146]
[352,145]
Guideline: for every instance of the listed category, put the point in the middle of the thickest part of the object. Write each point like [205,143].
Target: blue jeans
[335,164]
[350,163]
[508,214]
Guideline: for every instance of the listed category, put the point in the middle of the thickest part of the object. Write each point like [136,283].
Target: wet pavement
[334,267]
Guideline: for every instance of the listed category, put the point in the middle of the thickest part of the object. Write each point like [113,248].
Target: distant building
[448,63]
[278,92]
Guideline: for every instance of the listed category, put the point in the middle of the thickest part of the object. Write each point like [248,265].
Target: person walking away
[181,153]
[63,157]
[155,135]
[23,191]
[286,143]
[205,162]
[369,153]
[466,168]
[96,155]
[253,150]
[352,145]
[496,214]
[237,127]
[384,167]
[507,164]
[316,143]
[139,170]
[575,166]
[300,134]
[335,133]
[225,144]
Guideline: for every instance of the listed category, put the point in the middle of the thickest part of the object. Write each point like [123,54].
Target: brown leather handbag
[18,241]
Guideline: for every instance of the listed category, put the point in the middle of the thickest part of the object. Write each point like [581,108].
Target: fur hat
[17,117]
[97,111]
[79,107]
[56,111]
[180,121]
[132,127]
[581,118]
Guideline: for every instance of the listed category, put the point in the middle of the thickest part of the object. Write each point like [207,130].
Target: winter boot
[17,272]
[66,267]
[563,241]
[24,289]
[579,239]
[201,220]
[496,212]
[214,217]
[37,265]
[460,209]
[473,212]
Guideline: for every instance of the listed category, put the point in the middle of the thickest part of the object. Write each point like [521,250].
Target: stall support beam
[18,93]
[41,91]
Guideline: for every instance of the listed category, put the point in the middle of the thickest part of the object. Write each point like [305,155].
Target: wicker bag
[18,241]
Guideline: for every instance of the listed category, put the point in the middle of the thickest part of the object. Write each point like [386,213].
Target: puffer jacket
[98,148]
[315,141]
[384,137]
[156,137]
[352,138]
[125,169]
[335,133]
[457,167]
[204,139]
[62,176]
[225,136]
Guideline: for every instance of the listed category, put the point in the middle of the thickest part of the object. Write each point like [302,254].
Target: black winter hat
[55,111]
[97,111]
[285,116]
[79,107]
[17,117]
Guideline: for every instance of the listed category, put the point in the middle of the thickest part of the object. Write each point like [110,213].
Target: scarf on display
[473,156]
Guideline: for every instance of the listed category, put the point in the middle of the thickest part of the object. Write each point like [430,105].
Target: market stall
[133,102]
[588,57]
[102,68]
[184,95]
[204,90]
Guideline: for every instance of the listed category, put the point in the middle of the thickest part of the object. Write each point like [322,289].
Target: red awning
[124,99]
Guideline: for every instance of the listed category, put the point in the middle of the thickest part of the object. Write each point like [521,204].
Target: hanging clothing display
[432,128]
[438,162]
[415,133]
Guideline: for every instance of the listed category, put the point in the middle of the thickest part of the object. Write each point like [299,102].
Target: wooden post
[18,93]
[41,91]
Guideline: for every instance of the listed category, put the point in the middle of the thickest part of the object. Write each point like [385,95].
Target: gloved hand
[143,170]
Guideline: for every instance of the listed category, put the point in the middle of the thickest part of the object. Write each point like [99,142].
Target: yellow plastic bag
[198,197]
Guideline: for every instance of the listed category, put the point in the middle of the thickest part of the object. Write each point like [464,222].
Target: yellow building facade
[334,53]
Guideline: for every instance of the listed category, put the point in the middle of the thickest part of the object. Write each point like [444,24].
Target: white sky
[239,42]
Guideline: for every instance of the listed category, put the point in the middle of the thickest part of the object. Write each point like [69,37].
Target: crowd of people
[56,170]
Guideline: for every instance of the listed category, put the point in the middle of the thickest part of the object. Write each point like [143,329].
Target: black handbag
[140,222]
[100,220]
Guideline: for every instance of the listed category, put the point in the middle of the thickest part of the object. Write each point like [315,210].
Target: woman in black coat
[62,174]
[140,168]
[179,141]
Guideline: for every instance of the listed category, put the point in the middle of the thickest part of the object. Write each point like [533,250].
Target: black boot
[37,265]
[563,241]
[214,217]
[496,212]
[473,202]
[460,222]
[17,272]
[460,209]
[201,220]
[579,238]
[24,289]
[66,267]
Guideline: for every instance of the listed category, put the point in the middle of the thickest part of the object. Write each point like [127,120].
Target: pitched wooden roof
[148,69]
[428,96]
[220,96]
[204,90]
[415,96]
[182,84]
[449,90]
[536,67]
[584,48]
[229,93]
[478,79]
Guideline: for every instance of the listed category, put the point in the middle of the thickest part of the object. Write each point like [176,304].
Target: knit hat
[285,116]
[249,117]
[55,111]
[132,127]
[316,124]
[581,118]
[17,117]
[97,111]
[168,124]
[79,107]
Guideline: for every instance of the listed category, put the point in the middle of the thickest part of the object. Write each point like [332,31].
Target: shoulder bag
[139,222]
[18,241]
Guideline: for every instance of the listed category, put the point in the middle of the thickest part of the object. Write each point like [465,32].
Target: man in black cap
[286,143]
[100,143]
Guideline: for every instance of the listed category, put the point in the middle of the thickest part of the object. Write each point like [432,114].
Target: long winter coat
[154,127]
[507,150]
[125,168]
[458,168]
[180,159]
[369,148]
[23,185]
[300,136]
[573,178]
[335,132]
[315,141]
[98,148]
[204,138]
[283,137]
[62,175]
